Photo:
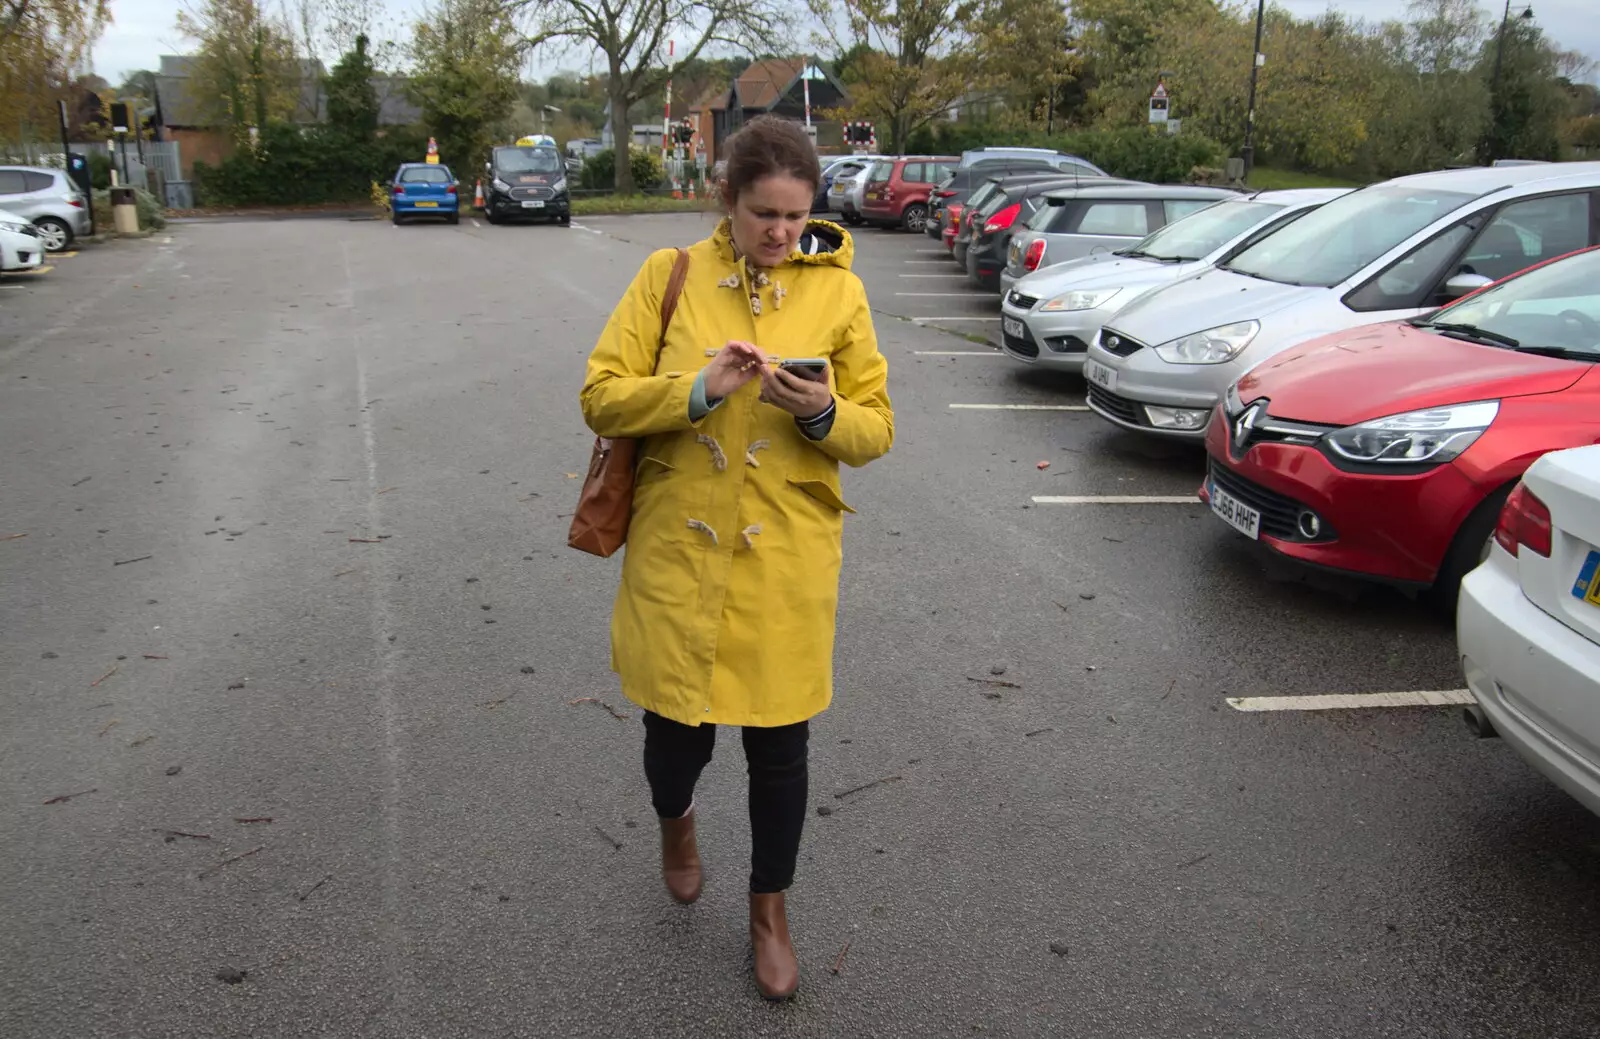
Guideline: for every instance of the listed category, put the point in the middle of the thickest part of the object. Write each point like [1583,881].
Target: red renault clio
[1388,451]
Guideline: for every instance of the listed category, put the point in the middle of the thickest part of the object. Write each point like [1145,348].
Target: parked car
[897,190]
[1528,625]
[21,248]
[991,196]
[831,168]
[1007,212]
[1050,317]
[1056,160]
[849,188]
[953,191]
[49,200]
[1090,221]
[526,181]
[1388,451]
[1388,251]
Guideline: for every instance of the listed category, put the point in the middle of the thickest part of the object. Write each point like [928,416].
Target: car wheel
[490,215]
[53,234]
[1468,549]
[454,218]
[915,218]
[853,219]
[395,218]
[566,219]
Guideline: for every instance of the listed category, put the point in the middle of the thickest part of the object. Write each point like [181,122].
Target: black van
[526,182]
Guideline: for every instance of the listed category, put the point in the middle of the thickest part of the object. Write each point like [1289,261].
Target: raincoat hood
[822,243]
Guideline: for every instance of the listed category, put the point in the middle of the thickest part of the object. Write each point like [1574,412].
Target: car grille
[1279,512]
[1066,345]
[532,193]
[1117,407]
[1017,299]
[1023,347]
[1119,344]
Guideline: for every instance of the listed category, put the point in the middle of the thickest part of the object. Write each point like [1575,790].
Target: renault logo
[1245,424]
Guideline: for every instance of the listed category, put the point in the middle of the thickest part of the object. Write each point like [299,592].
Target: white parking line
[1116,499]
[1019,407]
[952,274]
[925,320]
[582,227]
[925,261]
[475,222]
[958,353]
[944,295]
[1346,701]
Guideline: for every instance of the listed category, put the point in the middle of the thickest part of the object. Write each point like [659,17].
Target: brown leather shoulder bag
[600,524]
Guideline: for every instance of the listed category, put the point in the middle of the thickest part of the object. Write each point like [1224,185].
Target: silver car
[49,200]
[1050,317]
[1099,221]
[1048,156]
[1393,250]
[848,192]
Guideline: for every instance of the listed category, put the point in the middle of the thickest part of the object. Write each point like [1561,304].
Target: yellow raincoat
[730,582]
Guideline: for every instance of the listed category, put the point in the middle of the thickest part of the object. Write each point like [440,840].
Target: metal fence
[161,157]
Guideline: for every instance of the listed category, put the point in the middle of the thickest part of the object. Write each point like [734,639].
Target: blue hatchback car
[424,189]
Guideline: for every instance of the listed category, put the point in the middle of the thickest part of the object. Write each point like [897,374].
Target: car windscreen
[1204,231]
[425,175]
[527,160]
[981,196]
[1328,246]
[1554,308]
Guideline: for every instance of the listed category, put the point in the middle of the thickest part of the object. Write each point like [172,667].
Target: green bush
[600,171]
[1134,152]
[294,165]
[99,170]
[152,214]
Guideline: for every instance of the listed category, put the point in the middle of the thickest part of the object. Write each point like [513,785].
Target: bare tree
[633,36]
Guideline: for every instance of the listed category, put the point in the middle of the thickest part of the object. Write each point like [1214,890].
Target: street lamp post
[1491,134]
[1257,59]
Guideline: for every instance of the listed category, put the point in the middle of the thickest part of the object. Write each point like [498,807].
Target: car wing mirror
[1464,283]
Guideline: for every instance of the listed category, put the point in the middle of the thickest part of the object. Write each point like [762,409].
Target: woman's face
[769,216]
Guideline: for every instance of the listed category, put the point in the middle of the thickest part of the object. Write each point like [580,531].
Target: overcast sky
[143,29]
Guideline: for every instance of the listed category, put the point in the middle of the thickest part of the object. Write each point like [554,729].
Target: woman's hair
[767,145]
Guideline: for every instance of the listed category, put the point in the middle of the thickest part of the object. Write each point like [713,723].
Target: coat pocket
[650,467]
[823,492]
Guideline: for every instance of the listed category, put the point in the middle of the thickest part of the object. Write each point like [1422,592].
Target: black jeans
[675,754]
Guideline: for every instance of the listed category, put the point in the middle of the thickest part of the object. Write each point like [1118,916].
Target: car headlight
[1213,346]
[1083,299]
[500,185]
[560,186]
[1433,435]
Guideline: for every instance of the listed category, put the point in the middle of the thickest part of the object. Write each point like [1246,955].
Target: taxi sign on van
[536,140]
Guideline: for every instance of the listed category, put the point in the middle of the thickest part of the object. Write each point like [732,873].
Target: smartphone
[812,369]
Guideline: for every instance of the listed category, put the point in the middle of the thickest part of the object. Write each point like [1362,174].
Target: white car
[1528,623]
[1050,317]
[1390,251]
[21,249]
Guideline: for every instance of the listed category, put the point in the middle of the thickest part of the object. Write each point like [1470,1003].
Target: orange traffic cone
[477,196]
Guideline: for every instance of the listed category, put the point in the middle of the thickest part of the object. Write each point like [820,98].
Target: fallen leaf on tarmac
[572,476]
[64,798]
[1042,465]
[1002,683]
[227,975]
[13,537]
[1060,948]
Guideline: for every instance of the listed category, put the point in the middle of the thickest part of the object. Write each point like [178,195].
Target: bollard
[124,213]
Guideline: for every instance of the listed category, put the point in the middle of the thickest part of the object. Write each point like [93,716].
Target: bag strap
[669,302]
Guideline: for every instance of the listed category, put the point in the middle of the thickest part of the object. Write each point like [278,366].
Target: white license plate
[1102,375]
[1014,328]
[533,205]
[1235,513]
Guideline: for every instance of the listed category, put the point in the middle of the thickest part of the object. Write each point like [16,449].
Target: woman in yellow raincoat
[730,583]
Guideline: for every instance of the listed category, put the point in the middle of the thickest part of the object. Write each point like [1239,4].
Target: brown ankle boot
[680,858]
[777,970]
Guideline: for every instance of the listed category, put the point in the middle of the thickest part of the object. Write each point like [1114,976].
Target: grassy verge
[1265,178]
[636,204]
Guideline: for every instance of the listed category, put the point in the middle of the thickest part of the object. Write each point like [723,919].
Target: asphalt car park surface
[275,486]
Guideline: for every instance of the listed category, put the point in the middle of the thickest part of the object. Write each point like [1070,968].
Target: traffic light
[683,133]
[119,116]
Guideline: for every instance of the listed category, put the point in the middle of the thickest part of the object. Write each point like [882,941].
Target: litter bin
[124,211]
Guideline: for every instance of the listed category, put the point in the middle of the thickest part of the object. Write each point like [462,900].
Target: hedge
[1134,152]
[294,165]
[600,171]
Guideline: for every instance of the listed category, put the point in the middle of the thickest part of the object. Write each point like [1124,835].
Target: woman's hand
[801,398]
[736,363]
